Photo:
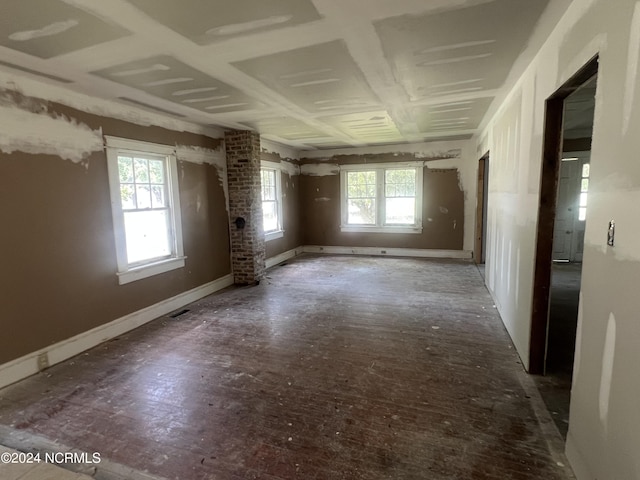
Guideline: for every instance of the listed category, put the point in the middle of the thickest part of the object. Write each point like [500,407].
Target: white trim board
[27,365]
[381,251]
[276,259]
[390,252]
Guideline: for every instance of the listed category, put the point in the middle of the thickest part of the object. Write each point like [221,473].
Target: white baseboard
[391,252]
[275,260]
[576,460]
[27,365]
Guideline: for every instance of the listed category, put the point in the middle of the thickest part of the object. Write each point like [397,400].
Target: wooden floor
[334,367]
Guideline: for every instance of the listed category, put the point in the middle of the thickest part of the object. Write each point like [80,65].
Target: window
[584,189]
[381,198]
[271,200]
[145,207]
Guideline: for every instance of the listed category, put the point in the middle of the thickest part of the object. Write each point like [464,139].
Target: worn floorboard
[334,367]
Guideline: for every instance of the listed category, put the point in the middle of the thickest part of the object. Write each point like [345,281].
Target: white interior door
[565,210]
[568,233]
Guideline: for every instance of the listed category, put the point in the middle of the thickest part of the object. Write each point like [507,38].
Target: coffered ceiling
[307,73]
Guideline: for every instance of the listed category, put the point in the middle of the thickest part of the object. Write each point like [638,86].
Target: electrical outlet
[43,361]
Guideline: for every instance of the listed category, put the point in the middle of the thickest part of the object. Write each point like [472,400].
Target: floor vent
[179,312]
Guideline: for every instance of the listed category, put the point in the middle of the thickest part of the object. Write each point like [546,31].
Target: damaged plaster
[285,156]
[320,169]
[216,158]
[27,125]
[100,107]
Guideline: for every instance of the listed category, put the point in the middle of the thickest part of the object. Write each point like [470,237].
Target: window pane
[127,196]
[585,170]
[268,178]
[583,199]
[269,216]
[361,184]
[361,211]
[400,211]
[268,192]
[584,187]
[582,214]
[156,171]
[158,196]
[141,169]
[143,196]
[125,169]
[400,183]
[147,235]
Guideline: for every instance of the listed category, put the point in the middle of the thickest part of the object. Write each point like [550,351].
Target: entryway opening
[564,200]
[480,246]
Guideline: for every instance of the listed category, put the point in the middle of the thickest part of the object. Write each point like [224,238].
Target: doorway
[479,249]
[560,239]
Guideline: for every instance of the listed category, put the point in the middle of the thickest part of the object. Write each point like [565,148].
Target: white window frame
[277,168]
[380,226]
[131,272]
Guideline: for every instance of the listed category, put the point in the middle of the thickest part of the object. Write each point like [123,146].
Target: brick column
[245,201]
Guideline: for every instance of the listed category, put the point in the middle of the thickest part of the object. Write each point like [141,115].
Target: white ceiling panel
[208,22]
[321,78]
[307,73]
[172,80]
[48,28]
[458,51]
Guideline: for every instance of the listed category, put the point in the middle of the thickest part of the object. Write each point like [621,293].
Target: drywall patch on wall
[201,155]
[26,125]
[282,151]
[289,168]
[320,169]
[440,155]
[608,355]
[425,150]
[285,156]
[216,158]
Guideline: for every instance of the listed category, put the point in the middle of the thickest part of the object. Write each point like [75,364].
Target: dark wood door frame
[479,245]
[551,156]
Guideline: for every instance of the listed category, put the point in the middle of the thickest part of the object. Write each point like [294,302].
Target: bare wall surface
[448,202]
[290,181]
[290,217]
[604,429]
[59,273]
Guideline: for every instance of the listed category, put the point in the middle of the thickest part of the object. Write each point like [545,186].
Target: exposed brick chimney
[245,202]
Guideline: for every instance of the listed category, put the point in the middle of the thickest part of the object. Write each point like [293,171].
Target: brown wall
[292,237]
[442,217]
[58,275]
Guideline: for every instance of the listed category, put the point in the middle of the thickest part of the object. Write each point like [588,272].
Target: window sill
[149,270]
[273,235]
[376,229]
